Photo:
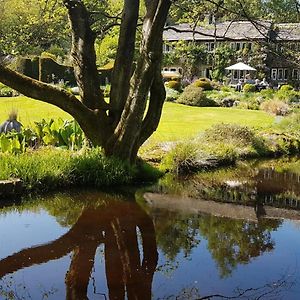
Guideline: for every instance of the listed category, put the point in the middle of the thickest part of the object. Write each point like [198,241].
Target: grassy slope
[178,121]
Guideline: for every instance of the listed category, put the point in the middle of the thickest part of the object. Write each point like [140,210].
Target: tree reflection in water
[230,242]
[119,226]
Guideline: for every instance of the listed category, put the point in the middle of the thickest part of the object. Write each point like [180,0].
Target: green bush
[249,88]
[6,91]
[250,103]
[194,96]
[275,107]
[173,84]
[204,84]
[286,87]
[288,96]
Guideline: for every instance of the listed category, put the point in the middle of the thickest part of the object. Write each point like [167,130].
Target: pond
[95,245]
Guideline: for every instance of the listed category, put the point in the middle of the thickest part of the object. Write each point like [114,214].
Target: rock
[12,187]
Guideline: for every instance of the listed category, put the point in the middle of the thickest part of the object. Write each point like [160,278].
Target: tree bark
[124,143]
[84,56]
[122,71]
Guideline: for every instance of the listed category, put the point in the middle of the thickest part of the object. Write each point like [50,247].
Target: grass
[181,122]
[178,121]
[29,110]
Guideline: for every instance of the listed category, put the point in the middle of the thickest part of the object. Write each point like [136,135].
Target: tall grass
[51,168]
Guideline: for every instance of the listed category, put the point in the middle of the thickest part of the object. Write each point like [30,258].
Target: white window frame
[295,74]
[274,74]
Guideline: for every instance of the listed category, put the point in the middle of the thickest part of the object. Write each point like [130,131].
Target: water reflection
[272,182]
[131,236]
[230,242]
[114,224]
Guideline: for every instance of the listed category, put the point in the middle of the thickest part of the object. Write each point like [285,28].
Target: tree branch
[42,91]
[124,61]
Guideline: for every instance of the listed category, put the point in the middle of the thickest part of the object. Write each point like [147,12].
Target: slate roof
[287,31]
[234,30]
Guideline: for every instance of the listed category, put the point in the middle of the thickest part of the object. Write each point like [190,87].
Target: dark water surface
[92,245]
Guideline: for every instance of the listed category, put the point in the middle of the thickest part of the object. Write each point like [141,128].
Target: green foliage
[286,87]
[194,96]
[181,158]
[249,88]
[30,26]
[188,55]
[287,95]
[222,58]
[203,83]
[65,134]
[220,145]
[93,168]
[173,84]
[5,91]
[49,169]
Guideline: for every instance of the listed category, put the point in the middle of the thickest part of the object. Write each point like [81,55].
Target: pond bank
[10,188]
[228,210]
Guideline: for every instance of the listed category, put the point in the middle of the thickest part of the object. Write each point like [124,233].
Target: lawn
[29,110]
[178,121]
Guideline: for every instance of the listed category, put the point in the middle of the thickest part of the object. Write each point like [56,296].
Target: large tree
[124,123]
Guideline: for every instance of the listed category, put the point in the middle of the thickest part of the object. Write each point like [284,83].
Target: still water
[94,245]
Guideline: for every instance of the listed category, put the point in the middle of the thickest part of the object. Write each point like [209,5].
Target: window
[295,74]
[250,46]
[238,46]
[280,74]
[235,74]
[274,74]
[285,74]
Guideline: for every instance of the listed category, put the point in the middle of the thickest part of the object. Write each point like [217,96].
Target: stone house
[270,48]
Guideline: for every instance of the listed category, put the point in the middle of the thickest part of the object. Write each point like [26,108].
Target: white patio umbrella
[240,67]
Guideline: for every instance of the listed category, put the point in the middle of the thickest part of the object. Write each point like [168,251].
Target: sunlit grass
[182,122]
[29,110]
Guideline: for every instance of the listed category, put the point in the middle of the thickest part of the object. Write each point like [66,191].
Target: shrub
[275,107]
[251,103]
[204,84]
[226,88]
[267,93]
[6,92]
[173,84]
[171,95]
[181,159]
[229,132]
[288,96]
[286,87]
[249,88]
[194,96]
